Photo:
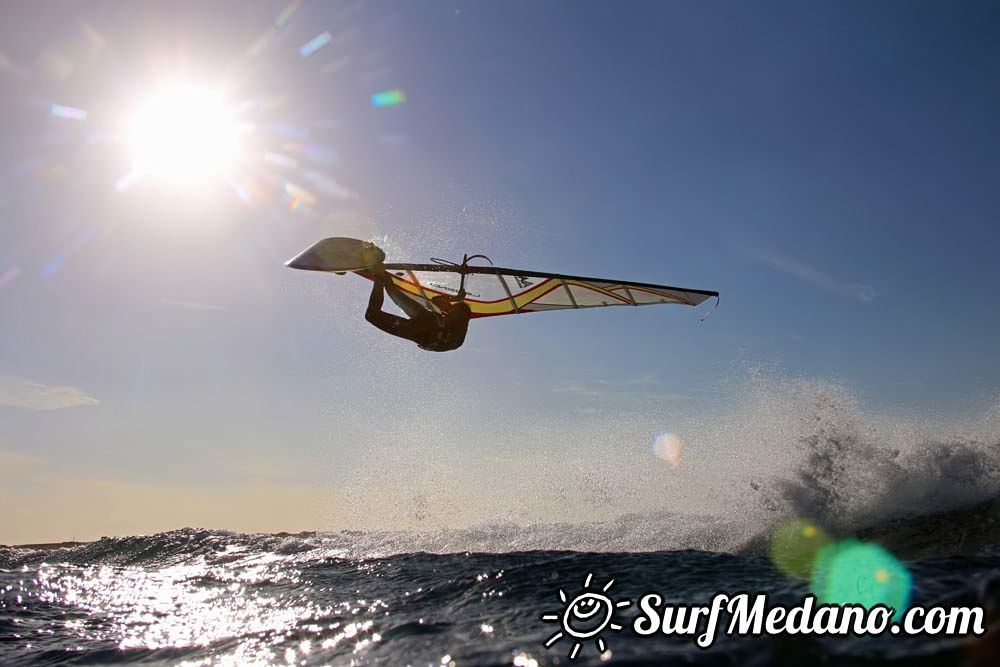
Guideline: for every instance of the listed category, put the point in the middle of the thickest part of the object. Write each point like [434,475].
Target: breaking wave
[852,471]
[768,450]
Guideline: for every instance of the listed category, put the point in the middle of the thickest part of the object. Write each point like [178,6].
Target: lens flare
[668,447]
[286,14]
[298,196]
[794,546]
[280,160]
[70,113]
[855,572]
[315,44]
[388,98]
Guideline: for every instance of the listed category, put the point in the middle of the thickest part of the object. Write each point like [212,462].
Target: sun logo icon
[585,617]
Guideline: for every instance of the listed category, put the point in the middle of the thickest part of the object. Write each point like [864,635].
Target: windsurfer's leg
[391,324]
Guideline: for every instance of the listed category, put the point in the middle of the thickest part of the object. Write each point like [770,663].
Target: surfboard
[338,254]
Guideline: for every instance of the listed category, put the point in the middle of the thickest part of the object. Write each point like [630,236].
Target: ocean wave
[769,450]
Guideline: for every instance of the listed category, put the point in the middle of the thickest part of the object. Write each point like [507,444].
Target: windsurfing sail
[492,291]
[489,290]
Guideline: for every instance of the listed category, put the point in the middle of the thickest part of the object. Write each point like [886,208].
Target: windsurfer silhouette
[434,330]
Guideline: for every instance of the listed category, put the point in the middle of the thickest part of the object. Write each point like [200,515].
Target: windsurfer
[437,330]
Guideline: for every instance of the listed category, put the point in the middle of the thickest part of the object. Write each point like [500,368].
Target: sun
[183,134]
[585,617]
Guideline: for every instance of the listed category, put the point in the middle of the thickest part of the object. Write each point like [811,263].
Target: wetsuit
[429,330]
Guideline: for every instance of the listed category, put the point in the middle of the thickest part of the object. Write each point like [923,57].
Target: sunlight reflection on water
[200,606]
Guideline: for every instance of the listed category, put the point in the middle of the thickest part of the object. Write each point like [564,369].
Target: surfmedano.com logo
[585,617]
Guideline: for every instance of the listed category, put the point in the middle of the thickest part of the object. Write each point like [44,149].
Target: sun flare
[184,134]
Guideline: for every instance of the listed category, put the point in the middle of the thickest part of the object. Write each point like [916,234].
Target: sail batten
[510,296]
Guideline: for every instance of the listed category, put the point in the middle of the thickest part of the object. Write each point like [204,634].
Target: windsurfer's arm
[377,297]
[387,322]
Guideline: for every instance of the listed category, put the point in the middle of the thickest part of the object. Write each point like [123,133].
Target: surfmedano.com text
[751,615]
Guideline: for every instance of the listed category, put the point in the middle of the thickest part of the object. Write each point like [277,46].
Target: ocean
[479,595]
[197,597]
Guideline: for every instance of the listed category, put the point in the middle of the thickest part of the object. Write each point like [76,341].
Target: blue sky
[830,169]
